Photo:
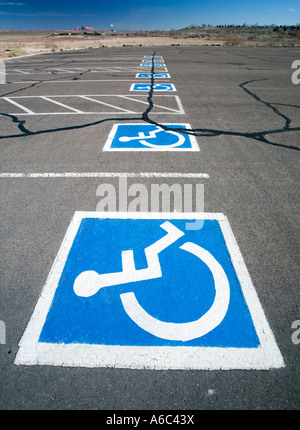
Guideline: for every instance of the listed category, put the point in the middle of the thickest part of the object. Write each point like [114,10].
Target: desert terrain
[16,43]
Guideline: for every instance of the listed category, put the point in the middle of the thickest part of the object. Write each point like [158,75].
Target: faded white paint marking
[22,71]
[105,175]
[81,81]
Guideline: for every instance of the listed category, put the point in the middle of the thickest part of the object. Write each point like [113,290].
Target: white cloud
[291,9]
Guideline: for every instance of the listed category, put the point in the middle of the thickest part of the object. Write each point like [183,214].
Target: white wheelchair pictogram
[153,135]
[156,87]
[90,282]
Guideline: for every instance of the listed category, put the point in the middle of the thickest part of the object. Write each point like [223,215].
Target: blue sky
[141,15]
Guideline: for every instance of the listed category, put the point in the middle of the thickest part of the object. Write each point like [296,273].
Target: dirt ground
[16,43]
[12,45]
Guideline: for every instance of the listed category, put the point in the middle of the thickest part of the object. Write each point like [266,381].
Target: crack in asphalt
[207,132]
[260,136]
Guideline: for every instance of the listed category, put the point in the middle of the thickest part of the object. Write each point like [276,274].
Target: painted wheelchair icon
[90,282]
[180,139]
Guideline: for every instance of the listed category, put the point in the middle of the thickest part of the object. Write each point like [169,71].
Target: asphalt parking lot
[241,110]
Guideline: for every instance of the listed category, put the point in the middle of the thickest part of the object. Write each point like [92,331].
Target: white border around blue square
[33,352]
[193,148]
[156,75]
[170,86]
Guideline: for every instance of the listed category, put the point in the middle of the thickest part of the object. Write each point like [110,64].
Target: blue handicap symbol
[152,61]
[150,65]
[161,75]
[150,137]
[156,87]
[149,282]
[155,75]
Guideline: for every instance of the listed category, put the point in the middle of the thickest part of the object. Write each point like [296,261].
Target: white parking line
[59,69]
[19,106]
[74,70]
[61,104]
[176,108]
[180,106]
[107,104]
[81,81]
[22,71]
[105,175]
